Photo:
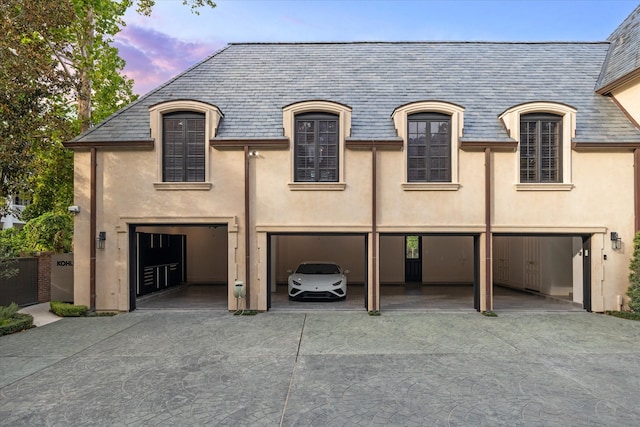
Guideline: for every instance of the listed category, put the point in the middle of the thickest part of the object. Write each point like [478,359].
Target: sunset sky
[159,47]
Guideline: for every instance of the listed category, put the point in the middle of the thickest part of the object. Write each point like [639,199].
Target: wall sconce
[254,153]
[616,241]
[100,240]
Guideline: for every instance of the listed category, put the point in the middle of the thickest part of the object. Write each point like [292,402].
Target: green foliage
[624,315]
[145,6]
[64,309]
[8,261]
[634,277]
[59,74]
[32,86]
[245,312]
[19,322]
[49,232]
[7,312]
[11,321]
[51,182]
[490,314]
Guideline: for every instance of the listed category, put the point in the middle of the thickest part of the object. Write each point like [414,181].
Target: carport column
[375,301]
[486,303]
[247,224]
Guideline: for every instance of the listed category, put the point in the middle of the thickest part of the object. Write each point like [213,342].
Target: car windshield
[318,269]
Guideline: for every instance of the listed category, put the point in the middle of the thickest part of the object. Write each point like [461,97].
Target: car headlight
[296,283]
[338,283]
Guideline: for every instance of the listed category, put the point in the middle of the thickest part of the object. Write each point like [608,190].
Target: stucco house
[477,164]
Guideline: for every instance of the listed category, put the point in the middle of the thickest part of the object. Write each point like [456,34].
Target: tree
[32,88]
[634,276]
[93,69]
[94,64]
[60,76]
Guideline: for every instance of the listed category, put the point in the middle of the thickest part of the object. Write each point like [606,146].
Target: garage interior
[179,266]
[286,251]
[417,272]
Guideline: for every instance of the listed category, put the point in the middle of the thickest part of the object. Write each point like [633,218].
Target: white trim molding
[456,112]
[343,112]
[212,114]
[511,120]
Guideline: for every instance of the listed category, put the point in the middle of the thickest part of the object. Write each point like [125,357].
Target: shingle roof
[624,55]
[251,82]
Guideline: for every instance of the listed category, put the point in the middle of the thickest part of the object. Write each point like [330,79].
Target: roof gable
[623,61]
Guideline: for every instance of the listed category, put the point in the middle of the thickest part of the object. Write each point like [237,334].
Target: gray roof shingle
[624,55]
[251,82]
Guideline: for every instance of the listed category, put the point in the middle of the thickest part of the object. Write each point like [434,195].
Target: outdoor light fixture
[100,240]
[616,241]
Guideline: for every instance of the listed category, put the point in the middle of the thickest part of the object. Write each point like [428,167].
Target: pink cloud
[153,57]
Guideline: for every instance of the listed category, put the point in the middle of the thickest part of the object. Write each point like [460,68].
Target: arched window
[318,130]
[183,147]
[540,148]
[316,147]
[544,132]
[429,147]
[183,129]
[431,131]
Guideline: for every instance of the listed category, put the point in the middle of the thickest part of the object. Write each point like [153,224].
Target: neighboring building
[16,206]
[433,162]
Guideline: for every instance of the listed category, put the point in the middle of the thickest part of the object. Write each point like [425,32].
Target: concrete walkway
[41,313]
[202,367]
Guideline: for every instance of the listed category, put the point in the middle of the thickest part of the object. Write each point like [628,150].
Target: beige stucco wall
[628,95]
[599,202]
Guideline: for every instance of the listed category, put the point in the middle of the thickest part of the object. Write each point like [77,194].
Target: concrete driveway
[203,367]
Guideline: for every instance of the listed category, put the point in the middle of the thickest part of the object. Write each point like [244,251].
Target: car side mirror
[289,271]
[346,272]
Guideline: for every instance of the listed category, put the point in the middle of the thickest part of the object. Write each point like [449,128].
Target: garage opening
[429,272]
[287,251]
[178,266]
[541,272]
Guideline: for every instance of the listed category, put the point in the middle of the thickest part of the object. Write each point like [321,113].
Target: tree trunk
[84,89]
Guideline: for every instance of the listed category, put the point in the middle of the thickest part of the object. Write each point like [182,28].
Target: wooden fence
[23,287]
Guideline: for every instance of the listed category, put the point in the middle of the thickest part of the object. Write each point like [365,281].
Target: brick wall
[44,277]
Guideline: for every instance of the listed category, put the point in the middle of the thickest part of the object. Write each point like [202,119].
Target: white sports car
[318,280]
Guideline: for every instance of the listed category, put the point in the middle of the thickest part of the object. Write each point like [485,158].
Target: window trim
[401,122]
[511,120]
[343,112]
[316,118]
[212,116]
[539,119]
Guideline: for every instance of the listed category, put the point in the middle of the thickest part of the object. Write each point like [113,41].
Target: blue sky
[157,48]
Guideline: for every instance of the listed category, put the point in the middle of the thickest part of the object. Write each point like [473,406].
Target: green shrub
[624,315]
[19,322]
[64,309]
[8,312]
[49,232]
[634,277]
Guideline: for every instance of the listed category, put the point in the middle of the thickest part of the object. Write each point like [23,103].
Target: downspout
[247,241]
[636,169]
[488,237]
[374,229]
[92,232]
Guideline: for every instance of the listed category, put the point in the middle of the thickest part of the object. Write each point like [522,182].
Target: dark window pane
[429,148]
[316,148]
[183,147]
[540,142]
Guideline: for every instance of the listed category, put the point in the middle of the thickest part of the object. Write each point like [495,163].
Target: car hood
[319,279]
